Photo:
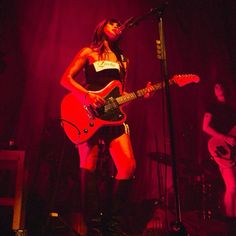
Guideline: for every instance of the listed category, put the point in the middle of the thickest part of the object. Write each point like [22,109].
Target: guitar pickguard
[111,110]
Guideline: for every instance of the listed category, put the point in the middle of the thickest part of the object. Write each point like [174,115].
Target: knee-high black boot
[118,203]
[90,202]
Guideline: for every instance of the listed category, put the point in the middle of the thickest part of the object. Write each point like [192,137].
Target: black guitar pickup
[221,150]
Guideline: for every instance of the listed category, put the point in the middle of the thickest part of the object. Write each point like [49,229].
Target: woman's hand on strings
[149,89]
[94,99]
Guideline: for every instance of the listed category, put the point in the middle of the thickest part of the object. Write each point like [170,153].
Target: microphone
[127,24]
[134,21]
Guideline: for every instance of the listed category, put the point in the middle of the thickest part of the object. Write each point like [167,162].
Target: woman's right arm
[68,79]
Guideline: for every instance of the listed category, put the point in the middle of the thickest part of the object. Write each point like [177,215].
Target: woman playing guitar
[91,119]
[219,122]
[103,62]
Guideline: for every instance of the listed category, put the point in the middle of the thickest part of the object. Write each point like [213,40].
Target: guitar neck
[141,92]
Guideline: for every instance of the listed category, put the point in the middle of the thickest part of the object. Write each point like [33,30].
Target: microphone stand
[177,228]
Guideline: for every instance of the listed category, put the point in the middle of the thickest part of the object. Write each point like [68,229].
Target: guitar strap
[123,60]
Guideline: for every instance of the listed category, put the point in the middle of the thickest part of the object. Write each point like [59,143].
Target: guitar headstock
[184,79]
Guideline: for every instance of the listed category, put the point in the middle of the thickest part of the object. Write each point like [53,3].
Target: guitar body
[81,122]
[223,153]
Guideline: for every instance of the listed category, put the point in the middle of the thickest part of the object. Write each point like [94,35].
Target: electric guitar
[80,122]
[223,153]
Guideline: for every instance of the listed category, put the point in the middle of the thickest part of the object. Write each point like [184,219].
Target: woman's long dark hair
[98,42]
[99,37]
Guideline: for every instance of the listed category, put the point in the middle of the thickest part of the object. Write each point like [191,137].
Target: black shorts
[106,134]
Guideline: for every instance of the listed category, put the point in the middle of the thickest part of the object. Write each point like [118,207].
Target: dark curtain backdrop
[40,38]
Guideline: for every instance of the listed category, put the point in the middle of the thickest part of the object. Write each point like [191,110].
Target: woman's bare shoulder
[85,51]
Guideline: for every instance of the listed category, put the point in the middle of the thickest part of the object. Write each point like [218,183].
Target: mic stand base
[177,228]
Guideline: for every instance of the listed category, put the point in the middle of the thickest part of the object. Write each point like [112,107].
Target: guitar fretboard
[140,93]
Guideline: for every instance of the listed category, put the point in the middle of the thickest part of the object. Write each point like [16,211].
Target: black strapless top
[100,73]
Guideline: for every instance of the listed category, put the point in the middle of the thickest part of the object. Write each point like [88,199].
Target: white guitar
[223,153]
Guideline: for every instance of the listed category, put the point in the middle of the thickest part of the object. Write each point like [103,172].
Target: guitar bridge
[90,112]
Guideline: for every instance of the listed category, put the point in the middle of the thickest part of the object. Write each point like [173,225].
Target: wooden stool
[13,161]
